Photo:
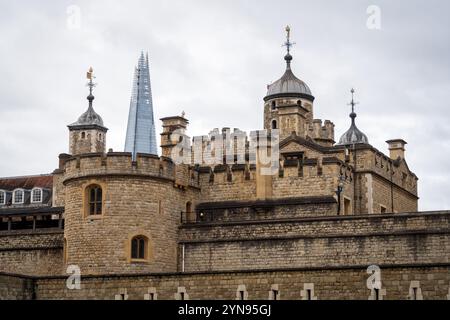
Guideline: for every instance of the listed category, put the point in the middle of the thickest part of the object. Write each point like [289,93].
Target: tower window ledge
[139,261]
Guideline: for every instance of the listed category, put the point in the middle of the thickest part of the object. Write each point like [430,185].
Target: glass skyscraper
[141,135]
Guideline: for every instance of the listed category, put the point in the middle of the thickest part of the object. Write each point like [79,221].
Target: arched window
[83,135]
[36,195]
[2,197]
[274,124]
[139,246]
[18,196]
[95,197]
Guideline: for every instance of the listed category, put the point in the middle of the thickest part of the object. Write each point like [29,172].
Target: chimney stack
[397,148]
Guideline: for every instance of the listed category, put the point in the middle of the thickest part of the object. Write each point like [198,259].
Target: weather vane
[353,103]
[91,77]
[288,44]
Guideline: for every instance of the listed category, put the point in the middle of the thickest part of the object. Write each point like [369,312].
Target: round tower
[122,213]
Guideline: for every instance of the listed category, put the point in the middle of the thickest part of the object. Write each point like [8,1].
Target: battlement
[322,132]
[121,163]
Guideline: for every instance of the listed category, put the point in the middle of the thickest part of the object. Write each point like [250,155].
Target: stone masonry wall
[308,242]
[31,253]
[328,284]
[15,287]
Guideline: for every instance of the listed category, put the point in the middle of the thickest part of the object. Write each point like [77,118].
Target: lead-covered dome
[353,135]
[90,117]
[288,85]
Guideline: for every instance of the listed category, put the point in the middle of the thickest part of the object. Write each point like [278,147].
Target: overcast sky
[214,59]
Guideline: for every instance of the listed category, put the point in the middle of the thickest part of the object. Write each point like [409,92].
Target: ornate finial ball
[288,28]
[352,91]
[91,70]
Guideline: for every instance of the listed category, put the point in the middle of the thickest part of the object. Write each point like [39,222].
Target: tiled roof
[27,182]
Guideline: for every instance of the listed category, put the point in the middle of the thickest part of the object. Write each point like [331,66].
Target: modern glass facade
[141,134]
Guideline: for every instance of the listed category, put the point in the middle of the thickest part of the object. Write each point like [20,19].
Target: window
[95,200]
[2,197]
[18,197]
[189,207]
[36,195]
[308,294]
[274,124]
[274,105]
[347,206]
[83,135]
[139,248]
[383,209]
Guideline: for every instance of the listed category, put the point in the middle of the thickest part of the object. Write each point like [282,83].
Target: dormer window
[36,195]
[2,197]
[18,196]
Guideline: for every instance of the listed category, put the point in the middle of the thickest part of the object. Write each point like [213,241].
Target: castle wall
[221,189]
[31,253]
[16,287]
[317,242]
[328,284]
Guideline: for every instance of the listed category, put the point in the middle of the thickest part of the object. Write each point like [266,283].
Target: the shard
[141,135]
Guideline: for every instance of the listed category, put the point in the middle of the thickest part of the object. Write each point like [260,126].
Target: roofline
[73,127]
[29,176]
[290,95]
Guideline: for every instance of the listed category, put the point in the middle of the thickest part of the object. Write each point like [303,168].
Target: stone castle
[330,217]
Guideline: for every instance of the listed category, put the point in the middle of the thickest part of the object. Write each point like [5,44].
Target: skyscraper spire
[141,135]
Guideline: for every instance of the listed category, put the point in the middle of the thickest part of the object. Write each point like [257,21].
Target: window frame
[41,195]
[139,250]
[3,192]
[14,196]
[86,190]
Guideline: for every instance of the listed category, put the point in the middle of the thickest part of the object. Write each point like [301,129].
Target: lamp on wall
[339,191]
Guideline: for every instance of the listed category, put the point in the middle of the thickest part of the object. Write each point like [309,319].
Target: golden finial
[288,44]
[288,31]
[90,73]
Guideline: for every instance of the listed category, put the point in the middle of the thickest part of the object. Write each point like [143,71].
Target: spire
[353,135]
[141,135]
[353,104]
[288,44]
[91,85]
[90,117]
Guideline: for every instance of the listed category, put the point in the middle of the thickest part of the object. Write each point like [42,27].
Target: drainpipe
[392,188]
[182,257]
